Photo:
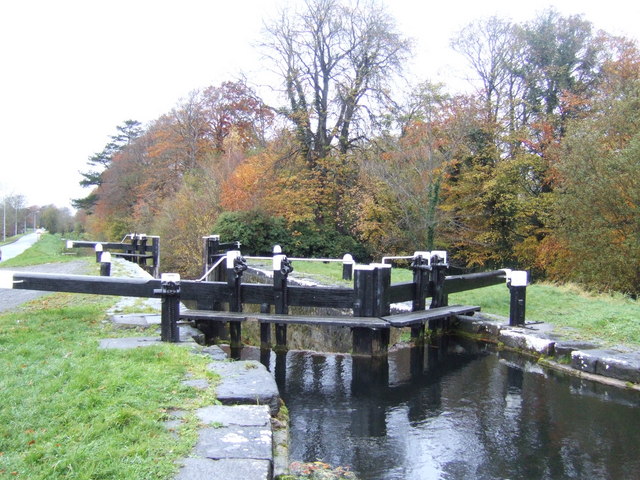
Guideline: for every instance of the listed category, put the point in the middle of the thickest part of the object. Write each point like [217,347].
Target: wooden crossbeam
[415,318]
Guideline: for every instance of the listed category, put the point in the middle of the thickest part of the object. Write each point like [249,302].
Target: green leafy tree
[598,204]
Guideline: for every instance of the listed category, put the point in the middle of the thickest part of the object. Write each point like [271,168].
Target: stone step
[235,444]
[246,383]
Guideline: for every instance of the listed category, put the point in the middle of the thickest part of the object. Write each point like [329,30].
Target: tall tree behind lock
[101,161]
[534,77]
[597,210]
[336,62]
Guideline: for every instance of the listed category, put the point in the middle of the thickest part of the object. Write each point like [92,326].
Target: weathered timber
[170,294]
[402,292]
[213,316]
[371,291]
[351,322]
[420,317]
[471,281]
[131,255]
[320,296]
[208,317]
[105,245]
[126,287]
[138,251]
[265,329]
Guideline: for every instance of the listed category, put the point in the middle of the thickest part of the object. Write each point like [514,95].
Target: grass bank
[70,410]
[611,319]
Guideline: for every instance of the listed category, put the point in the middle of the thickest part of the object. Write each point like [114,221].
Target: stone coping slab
[246,383]
[608,363]
[253,443]
[225,469]
[238,415]
[135,319]
[540,339]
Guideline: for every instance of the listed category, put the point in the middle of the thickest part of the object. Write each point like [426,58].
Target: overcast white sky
[71,70]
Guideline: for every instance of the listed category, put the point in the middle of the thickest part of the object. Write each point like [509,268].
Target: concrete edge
[589,361]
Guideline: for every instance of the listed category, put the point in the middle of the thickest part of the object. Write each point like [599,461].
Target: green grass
[611,319]
[50,248]
[70,410]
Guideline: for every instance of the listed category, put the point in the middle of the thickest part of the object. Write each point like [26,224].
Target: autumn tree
[235,108]
[598,202]
[561,56]
[491,48]
[99,162]
[535,77]
[411,166]
[183,219]
[335,61]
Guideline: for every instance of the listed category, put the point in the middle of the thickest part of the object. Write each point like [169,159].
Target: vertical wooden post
[133,248]
[421,275]
[98,249]
[371,289]
[517,282]
[170,311]
[265,329]
[142,250]
[281,269]
[155,251]
[439,266]
[210,255]
[235,267]
[105,264]
[347,267]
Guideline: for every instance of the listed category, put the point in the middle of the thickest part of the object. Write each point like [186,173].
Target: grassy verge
[50,248]
[612,319]
[70,410]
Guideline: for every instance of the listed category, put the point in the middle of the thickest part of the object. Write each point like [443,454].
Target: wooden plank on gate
[413,318]
[351,322]
[213,315]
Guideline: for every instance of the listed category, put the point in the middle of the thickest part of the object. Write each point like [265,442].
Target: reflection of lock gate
[369,299]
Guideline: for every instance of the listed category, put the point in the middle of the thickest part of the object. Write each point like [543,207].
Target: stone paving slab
[253,443]
[215,352]
[238,415]
[246,382]
[129,342]
[226,469]
[135,319]
[186,336]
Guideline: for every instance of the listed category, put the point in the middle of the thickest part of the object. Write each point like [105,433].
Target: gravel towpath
[10,299]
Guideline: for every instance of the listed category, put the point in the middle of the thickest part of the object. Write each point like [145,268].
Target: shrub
[257,231]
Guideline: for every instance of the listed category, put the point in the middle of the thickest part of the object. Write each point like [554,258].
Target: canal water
[456,411]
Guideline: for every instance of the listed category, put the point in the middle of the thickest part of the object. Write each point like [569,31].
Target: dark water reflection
[458,411]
